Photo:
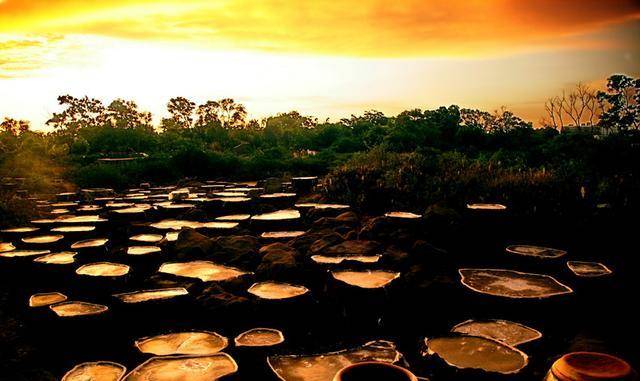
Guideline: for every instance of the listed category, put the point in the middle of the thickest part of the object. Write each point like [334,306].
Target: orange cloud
[354,28]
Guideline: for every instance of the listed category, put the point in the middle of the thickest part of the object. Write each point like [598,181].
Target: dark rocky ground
[426,301]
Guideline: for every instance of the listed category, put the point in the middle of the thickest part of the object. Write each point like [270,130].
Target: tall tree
[477,119]
[125,114]
[78,113]
[620,103]
[208,114]
[181,110]
[232,114]
[555,111]
[506,121]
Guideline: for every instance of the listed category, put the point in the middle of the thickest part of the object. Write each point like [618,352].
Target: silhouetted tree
[208,114]
[473,118]
[232,114]
[505,121]
[124,114]
[579,106]
[181,110]
[78,113]
[620,103]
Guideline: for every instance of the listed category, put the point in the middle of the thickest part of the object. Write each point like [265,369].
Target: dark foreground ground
[426,301]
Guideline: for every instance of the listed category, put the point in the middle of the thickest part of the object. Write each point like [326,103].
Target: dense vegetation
[415,158]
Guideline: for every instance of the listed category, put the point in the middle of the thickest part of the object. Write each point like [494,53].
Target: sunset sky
[324,58]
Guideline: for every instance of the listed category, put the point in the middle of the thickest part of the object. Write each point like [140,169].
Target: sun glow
[324,58]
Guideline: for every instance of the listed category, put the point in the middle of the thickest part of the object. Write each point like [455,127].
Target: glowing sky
[325,58]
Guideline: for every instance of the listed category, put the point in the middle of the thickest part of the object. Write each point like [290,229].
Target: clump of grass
[382,180]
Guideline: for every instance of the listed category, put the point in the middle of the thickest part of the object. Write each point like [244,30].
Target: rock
[195,214]
[162,281]
[324,241]
[304,242]
[276,246]
[344,222]
[351,235]
[191,244]
[348,218]
[272,185]
[424,252]
[236,250]
[386,229]
[395,258]
[353,247]
[216,298]
[441,222]
[278,262]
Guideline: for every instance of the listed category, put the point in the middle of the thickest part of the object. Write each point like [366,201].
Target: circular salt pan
[234,217]
[366,279]
[323,367]
[183,343]
[89,208]
[176,224]
[20,230]
[149,295]
[282,235]
[588,269]
[277,195]
[591,366]
[43,239]
[512,284]
[203,270]
[242,189]
[233,199]
[321,206]
[62,258]
[143,250]
[88,243]
[119,204]
[184,368]
[230,194]
[171,236]
[64,204]
[323,259]
[286,214]
[535,251]
[219,225]
[404,215]
[108,269]
[259,337]
[133,210]
[473,352]
[81,219]
[44,221]
[71,309]
[150,238]
[171,205]
[46,299]
[275,290]
[504,331]
[74,229]
[96,371]
[6,246]
[23,253]
[481,206]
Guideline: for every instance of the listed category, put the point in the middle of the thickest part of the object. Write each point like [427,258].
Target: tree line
[219,137]
[617,108]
